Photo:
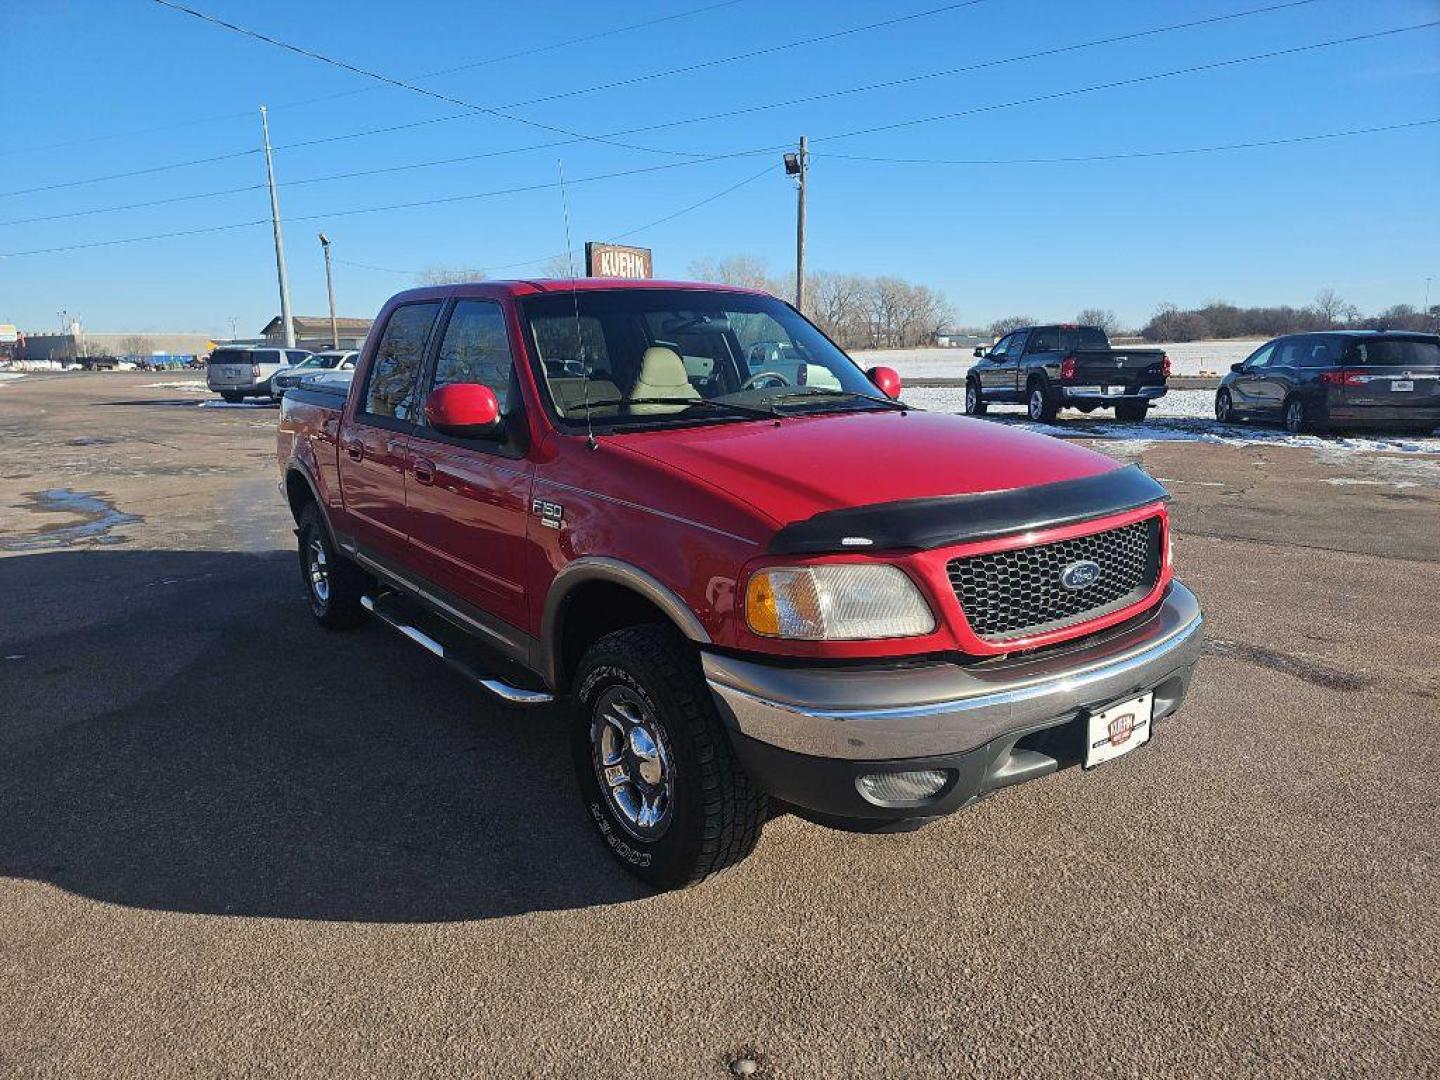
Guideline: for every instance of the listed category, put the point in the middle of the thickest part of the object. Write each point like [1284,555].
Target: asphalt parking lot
[233,844]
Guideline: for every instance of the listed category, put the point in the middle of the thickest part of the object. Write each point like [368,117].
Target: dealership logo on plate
[1080,575]
[1121,728]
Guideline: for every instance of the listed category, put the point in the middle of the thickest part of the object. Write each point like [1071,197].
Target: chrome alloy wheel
[632,763]
[317,570]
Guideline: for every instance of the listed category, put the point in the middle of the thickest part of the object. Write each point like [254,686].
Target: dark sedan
[1341,378]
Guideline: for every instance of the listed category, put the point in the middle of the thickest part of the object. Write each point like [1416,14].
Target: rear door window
[1046,339]
[390,390]
[1083,337]
[1402,352]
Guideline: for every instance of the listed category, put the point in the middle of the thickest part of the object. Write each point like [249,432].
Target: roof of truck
[535,286]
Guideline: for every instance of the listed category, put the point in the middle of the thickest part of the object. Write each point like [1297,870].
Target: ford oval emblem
[1080,575]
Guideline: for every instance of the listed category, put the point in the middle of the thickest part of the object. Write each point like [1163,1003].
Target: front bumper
[807,734]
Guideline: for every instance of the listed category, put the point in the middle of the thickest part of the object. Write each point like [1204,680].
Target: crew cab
[750,594]
[1047,368]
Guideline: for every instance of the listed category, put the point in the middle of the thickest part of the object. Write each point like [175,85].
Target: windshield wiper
[819,392]
[697,403]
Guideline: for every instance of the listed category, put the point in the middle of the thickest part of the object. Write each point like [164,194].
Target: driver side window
[1261,358]
[1001,348]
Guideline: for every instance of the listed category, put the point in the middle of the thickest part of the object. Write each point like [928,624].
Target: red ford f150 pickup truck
[754,588]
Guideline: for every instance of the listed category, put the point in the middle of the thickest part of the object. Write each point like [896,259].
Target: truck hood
[805,465]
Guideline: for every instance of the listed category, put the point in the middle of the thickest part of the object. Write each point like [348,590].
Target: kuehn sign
[616,260]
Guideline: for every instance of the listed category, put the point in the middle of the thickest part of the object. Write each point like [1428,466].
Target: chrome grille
[1018,593]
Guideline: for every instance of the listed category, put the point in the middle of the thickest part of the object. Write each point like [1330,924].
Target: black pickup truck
[1047,368]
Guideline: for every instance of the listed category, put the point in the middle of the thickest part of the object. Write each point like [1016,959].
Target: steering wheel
[776,379]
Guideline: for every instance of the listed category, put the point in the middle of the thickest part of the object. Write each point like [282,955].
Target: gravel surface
[233,844]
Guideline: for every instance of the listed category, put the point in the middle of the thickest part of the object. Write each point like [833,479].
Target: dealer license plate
[1115,731]
[1402,384]
[1114,391]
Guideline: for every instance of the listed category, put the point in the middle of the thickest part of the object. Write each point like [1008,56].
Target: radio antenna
[575,302]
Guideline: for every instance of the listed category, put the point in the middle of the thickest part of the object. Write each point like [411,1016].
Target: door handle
[424,471]
[356,449]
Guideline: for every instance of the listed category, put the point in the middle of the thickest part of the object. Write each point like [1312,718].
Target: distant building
[955,339]
[313,332]
[77,343]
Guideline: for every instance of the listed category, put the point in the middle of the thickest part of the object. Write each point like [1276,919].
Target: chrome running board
[515,695]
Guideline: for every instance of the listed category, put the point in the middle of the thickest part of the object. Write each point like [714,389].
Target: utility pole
[330,288]
[288,325]
[800,228]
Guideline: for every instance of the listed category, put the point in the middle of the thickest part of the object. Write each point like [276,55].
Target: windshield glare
[653,355]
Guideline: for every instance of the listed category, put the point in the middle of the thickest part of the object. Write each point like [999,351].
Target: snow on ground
[7,376]
[218,404]
[1180,416]
[190,387]
[1186,358]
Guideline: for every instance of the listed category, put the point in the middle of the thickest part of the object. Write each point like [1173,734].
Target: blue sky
[1272,225]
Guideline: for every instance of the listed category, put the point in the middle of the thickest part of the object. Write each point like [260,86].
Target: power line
[133,172]
[616,236]
[135,205]
[1128,155]
[745,110]
[249,113]
[439,201]
[1137,80]
[345,65]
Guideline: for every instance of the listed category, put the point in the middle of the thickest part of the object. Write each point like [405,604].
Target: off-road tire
[1132,412]
[975,403]
[717,811]
[1040,403]
[340,607]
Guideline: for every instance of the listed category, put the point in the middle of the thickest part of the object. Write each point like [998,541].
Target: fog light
[890,789]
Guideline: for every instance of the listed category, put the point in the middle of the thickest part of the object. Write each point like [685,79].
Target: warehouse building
[313,332]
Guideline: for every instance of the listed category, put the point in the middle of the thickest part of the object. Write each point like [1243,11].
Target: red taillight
[254,371]
[1342,378]
[1067,368]
[1165,365]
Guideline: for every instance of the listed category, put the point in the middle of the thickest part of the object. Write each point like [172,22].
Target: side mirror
[980,352]
[886,379]
[464,410]
[1237,367]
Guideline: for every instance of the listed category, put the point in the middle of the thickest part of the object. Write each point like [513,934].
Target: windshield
[1406,352]
[649,356]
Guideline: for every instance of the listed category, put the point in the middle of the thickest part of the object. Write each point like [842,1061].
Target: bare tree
[838,303]
[1000,327]
[747,271]
[559,266]
[1104,318]
[449,275]
[1331,308]
[135,345]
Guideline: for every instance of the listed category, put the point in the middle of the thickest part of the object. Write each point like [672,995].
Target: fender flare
[592,568]
[297,468]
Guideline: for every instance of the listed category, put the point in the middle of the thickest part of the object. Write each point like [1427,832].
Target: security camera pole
[798,166]
[285,320]
[330,288]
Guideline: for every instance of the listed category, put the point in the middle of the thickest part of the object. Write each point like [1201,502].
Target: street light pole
[288,325]
[330,288]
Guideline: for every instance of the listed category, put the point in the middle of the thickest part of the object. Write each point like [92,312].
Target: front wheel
[656,770]
[1131,412]
[1224,407]
[975,405]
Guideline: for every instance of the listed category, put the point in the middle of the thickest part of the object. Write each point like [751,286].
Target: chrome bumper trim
[946,708]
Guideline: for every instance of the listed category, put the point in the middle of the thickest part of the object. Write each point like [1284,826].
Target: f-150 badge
[551,514]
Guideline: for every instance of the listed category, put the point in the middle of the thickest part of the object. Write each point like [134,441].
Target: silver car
[236,373]
[329,360]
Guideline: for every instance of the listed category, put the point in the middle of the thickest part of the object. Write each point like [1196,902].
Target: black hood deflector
[956,519]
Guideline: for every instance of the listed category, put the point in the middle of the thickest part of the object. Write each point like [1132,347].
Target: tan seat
[662,375]
[571,391]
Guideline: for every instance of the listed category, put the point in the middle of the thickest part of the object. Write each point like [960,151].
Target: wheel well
[593,610]
[297,493]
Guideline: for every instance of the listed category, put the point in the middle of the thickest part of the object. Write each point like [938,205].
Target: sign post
[617,260]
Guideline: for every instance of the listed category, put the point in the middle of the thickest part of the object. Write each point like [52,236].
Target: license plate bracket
[1117,729]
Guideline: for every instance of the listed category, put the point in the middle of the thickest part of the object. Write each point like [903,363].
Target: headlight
[841,602]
